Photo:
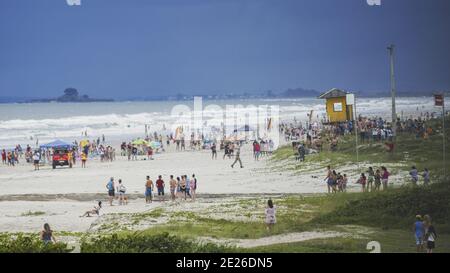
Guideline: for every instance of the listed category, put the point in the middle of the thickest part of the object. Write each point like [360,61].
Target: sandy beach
[60,196]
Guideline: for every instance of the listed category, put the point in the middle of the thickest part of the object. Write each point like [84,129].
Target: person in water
[47,235]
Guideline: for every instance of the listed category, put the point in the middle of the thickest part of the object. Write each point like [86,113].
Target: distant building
[336,105]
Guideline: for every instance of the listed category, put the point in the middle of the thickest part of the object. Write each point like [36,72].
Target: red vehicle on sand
[61,157]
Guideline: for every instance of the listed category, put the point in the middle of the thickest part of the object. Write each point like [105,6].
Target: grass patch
[29,243]
[145,243]
[33,213]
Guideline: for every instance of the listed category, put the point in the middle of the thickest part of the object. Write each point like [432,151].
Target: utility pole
[393,93]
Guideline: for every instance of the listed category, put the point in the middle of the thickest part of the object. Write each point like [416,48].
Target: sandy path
[278,239]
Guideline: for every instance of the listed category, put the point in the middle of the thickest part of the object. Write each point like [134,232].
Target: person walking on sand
[173,187]
[111,191]
[36,159]
[214,151]
[83,160]
[94,211]
[270,213]
[47,235]
[237,157]
[121,189]
[385,177]
[160,186]
[193,186]
[430,234]
[419,232]
[426,177]
[414,175]
[148,190]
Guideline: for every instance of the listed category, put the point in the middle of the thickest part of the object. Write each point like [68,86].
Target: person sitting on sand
[270,215]
[95,211]
[47,235]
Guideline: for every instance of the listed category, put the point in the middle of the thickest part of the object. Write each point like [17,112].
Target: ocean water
[25,123]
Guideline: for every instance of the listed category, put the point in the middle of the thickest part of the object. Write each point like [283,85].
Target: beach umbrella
[84,143]
[139,142]
[155,144]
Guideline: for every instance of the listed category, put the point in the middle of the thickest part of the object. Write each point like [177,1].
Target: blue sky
[131,48]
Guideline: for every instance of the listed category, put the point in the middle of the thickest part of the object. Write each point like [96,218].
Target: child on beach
[270,215]
[362,180]
[148,190]
[83,160]
[47,235]
[430,234]
[94,211]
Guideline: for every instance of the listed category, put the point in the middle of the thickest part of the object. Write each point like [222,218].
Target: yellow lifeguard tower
[338,109]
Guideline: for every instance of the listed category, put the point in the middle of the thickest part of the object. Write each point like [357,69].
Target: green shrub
[141,243]
[29,243]
[395,208]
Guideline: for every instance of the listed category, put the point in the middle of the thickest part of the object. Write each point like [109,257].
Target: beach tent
[57,144]
[139,142]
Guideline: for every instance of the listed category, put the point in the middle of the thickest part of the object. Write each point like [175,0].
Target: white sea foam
[19,123]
